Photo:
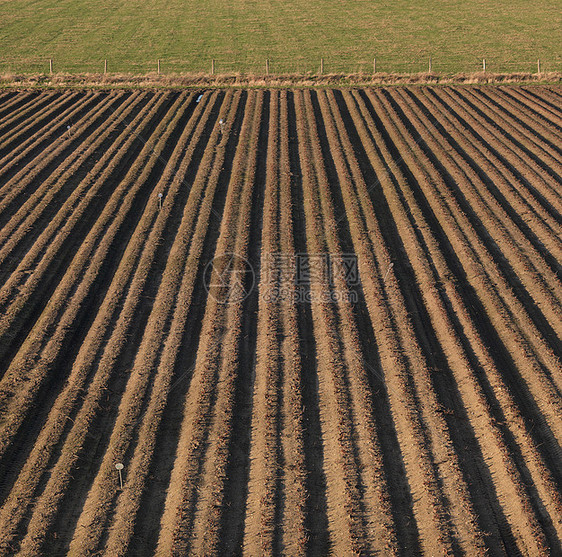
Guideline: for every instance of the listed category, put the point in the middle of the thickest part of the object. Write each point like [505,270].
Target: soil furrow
[37,104]
[43,266]
[522,114]
[526,344]
[450,478]
[343,390]
[532,538]
[28,150]
[316,510]
[306,322]
[460,364]
[531,107]
[9,142]
[275,508]
[15,101]
[89,272]
[44,516]
[30,179]
[526,97]
[519,164]
[52,201]
[497,235]
[187,519]
[545,154]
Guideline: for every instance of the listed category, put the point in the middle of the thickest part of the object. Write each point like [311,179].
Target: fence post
[321,65]
[50,65]
[213,66]
[430,64]
[539,66]
[267,66]
[158,65]
[483,64]
[105,66]
[375,64]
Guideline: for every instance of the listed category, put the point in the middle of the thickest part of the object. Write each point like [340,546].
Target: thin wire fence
[323,65]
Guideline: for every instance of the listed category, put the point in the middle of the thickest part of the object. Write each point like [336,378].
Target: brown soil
[417,411]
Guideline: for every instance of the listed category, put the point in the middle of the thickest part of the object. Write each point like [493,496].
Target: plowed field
[305,322]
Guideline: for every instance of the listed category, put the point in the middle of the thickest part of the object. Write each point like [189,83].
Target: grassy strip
[294,34]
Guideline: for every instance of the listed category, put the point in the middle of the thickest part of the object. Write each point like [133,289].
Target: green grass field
[294,34]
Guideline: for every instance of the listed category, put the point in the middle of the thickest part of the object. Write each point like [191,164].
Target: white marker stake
[221,124]
[160,200]
[388,271]
[68,130]
[120,467]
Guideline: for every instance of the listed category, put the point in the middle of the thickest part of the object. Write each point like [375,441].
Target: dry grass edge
[184,81]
